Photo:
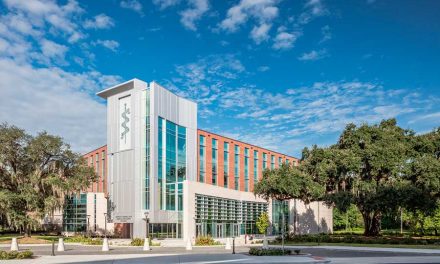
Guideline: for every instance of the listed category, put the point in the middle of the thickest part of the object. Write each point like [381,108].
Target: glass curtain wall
[75,213]
[221,217]
[280,209]
[172,164]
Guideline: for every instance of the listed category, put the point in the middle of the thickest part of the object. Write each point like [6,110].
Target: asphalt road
[91,254]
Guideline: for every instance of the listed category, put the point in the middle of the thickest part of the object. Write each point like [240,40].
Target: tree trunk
[27,231]
[371,223]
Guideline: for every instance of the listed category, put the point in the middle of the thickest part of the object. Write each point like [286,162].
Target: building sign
[124,123]
[123,219]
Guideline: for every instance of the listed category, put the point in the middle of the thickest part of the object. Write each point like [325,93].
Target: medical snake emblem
[124,124]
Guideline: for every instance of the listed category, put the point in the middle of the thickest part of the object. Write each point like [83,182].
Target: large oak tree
[36,172]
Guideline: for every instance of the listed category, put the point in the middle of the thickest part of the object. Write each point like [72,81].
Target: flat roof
[276,152]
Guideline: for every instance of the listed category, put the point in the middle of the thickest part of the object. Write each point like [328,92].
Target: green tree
[36,172]
[379,168]
[263,223]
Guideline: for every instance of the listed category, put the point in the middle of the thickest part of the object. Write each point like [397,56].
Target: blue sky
[280,74]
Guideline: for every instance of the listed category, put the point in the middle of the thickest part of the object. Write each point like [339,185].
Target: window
[214,161]
[287,161]
[172,164]
[255,166]
[103,170]
[272,162]
[280,161]
[225,164]
[75,213]
[264,161]
[202,161]
[236,166]
[246,169]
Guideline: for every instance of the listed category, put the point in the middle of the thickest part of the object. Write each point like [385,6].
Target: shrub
[297,251]
[16,254]
[268,252]
[84,240]
[137,242]
[206,241]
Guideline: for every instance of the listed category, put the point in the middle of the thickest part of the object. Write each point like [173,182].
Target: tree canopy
[379,168]
[36,172]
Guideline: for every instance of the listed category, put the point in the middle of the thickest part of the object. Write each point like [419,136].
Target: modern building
[180,181]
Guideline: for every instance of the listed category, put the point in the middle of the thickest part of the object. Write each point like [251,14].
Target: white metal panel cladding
[125,123]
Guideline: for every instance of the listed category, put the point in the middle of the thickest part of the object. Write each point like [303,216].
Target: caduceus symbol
[124,124]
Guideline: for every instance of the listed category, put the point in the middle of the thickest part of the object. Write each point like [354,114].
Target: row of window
[226,155]
[94,161]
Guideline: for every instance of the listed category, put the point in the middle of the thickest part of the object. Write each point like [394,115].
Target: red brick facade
[220,160]
[98,160]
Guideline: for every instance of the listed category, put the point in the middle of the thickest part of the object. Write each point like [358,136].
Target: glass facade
[167,230]
[255,166]
[246,169]
[172,164]
[225,164]
[214,161]
[75,213]
[202,161]
[280,209]
[272,162]
[236,167]
[222,217]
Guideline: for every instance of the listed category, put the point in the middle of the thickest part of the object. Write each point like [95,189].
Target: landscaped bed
[15,254]
[360,240]
[258,251]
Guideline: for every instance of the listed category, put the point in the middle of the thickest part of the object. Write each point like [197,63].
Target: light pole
[88,226]
[147,233]
[105,225]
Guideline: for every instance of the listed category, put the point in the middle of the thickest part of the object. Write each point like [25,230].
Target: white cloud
[32,17]
[51,49]
[37,93]
[285,40]
[191,15]
[165,3]
[260,33]
[112,45]
[100,21]
[313,9]
[326,34]
[134,5]
[263,68]
[263,11]
[313,55]
[51,99]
